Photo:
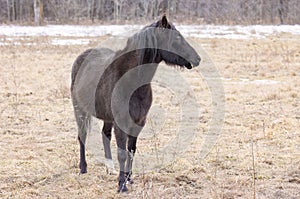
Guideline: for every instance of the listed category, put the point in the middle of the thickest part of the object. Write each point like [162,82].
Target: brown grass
[39,151]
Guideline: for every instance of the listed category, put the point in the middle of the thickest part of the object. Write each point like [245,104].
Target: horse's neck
[129,61]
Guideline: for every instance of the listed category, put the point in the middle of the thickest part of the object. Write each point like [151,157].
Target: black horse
[115,87]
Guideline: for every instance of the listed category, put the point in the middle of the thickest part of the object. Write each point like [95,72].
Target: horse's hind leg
[82,164]
[121,139]
[106,138]
[83,123]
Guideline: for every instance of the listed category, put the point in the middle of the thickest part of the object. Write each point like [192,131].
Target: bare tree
[283,10]
[8,2]
[38,12]
[203,11]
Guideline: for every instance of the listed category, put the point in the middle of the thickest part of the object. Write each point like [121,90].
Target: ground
[257,154]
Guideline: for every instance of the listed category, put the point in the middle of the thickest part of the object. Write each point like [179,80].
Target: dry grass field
[257,154]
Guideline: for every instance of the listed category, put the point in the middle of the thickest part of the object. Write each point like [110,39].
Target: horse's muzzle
[196,62]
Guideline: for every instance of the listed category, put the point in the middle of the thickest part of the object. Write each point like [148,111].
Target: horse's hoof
[122,187]
[83,171]
[110,171]
[82,167]
[110,168]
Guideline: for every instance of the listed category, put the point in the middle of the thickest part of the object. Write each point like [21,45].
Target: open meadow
[257,153]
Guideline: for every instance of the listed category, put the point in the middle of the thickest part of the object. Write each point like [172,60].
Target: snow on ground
[18,35]
[247,81]
[200,31]
[237,32]
[69,41]
[67,30]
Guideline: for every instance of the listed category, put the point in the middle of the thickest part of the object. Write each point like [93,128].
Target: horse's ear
[164,22]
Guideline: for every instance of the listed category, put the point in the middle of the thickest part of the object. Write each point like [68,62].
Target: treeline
[121,11]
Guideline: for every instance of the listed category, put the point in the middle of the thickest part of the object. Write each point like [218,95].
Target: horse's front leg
[121,139]
[131,151]
[106,138]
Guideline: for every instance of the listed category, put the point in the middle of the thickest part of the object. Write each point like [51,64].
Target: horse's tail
[83,120]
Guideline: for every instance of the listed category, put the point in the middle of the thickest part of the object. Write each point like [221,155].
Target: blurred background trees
[134,11]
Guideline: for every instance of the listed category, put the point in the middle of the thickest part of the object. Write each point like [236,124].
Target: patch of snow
[17,43]
[237,32]
[244,81]
[70,41]
[67,30]
[264,82]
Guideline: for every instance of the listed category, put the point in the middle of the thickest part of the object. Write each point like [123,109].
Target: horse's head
[172,47]
[161,41]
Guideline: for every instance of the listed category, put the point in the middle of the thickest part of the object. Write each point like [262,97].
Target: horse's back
[89,55]
[86,73]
